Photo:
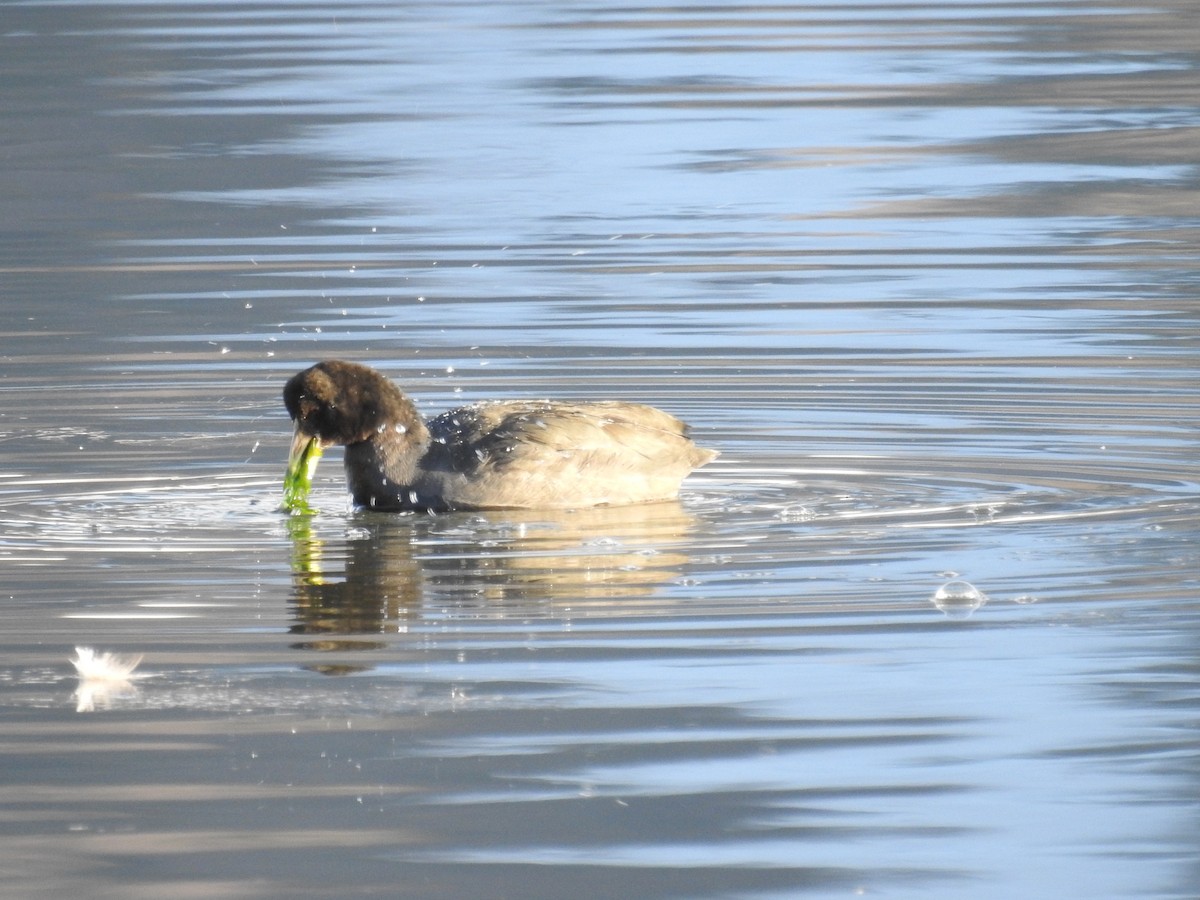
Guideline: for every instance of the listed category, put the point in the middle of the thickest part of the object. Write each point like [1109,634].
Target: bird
[499,454]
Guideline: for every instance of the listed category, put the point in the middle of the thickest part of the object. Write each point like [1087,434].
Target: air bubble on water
[797,513]
[985,512]
[1025,598]
[958,599]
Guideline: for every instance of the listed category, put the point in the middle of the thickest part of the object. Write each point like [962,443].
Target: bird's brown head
[337,402]
[344,403]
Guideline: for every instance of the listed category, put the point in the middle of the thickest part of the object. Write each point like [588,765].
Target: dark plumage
[502,454]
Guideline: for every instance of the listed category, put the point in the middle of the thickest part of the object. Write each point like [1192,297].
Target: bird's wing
[517,434]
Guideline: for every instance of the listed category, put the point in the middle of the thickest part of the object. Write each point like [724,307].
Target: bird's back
[525,453]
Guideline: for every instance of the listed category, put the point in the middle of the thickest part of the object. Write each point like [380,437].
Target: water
[925,276]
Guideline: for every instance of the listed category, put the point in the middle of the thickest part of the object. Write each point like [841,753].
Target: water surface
[926,277]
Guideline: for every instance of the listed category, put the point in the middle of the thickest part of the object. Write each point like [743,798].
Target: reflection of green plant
[306,549]
[297,482]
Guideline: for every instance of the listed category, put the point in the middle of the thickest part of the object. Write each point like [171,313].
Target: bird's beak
[302,463]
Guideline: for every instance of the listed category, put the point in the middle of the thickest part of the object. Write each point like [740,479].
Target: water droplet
[795,514]
[958,599]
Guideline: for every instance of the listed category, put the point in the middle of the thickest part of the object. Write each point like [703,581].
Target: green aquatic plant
[297,481]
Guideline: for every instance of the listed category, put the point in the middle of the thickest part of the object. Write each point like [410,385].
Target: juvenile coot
[529,454]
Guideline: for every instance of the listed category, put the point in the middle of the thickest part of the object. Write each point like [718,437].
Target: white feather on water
[93,666]
[103,678]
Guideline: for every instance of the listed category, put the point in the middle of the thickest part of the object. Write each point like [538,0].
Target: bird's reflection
[356,580]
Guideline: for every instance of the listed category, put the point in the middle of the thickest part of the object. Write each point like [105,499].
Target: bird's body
[500,454]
